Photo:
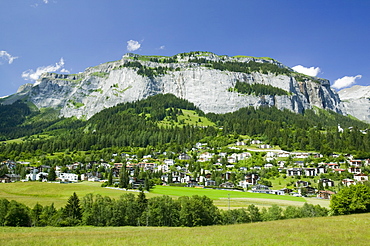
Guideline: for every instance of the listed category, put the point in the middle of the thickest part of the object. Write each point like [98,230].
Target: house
[354,170]
[301,183]
[240,143]
[8,178]
[300,155]
[265,146]
[355,163]
[310,171]
[227,185]
[325,194]
[332,165]
[287,190]
[339,170]
[249,180]
[283,154]
[67,177]
[327,182]
[260,189]
[255,142]
[268,165]
[294,172]
[348,182]
[37,176]
[360,177]
[277,192]
[192,183]
[309,190]
[184,156]
[210,183]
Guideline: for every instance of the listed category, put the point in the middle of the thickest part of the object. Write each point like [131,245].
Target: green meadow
[31,193]
[338,230]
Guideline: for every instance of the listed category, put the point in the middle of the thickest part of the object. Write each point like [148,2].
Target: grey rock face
[106,85]
[356,101]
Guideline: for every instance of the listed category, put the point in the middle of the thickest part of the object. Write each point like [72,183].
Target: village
[210,169]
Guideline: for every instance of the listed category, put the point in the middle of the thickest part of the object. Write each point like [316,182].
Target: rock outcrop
[106,85]
[356,101]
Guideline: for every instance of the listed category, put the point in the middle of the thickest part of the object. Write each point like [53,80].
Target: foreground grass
[31,193]
[340,230]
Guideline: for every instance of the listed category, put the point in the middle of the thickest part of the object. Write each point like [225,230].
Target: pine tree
[72,211]
[52,175]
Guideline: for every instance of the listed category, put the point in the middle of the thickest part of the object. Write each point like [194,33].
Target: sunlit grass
[340,230]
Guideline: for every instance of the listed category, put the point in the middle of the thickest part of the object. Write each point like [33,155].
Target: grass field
[31,193]
[339,230]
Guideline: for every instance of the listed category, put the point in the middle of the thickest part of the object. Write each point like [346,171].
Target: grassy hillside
[31,193]
[340,230]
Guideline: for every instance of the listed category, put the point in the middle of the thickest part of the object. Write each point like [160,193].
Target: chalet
[191,183]
[287,190]
[67,177]
[249,180]
[147,166]
[301,183]
[8,178]
[294,172]
[240,143]
[277,192]
[348,182]
[268,165]
[332,165]
[184,156]
[210,183]
[327,182]
[339,170]
[259,187]
[241,156]
[227,185]
[355,163]
[325,194]
[310,171]
[360,177]
[354,170]
[37,176]
[256,142]
[43,168]
[309,190]
[300,155]
[283,154]
[265,146]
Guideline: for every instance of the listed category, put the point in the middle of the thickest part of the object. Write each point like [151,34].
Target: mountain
[216,84]
[356,101]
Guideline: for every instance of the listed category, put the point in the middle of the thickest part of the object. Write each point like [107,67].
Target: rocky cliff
[356,101]
[193,76]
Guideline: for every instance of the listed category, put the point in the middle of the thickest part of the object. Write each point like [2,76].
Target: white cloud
[46,1]
[345,81]
[133,45]
[34,75]
[310,71]
[64,71]
[162,47]
[6,56]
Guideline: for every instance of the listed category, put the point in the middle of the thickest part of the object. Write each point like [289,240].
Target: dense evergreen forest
[138,124]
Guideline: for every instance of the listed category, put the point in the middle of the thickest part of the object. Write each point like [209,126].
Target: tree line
[128,210]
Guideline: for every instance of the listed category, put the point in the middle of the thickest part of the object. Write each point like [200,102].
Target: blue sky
[330,37]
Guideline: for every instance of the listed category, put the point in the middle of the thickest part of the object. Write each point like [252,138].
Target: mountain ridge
[203,78]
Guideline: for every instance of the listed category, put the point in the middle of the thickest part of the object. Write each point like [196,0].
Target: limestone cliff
[189,76]
[356,101]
